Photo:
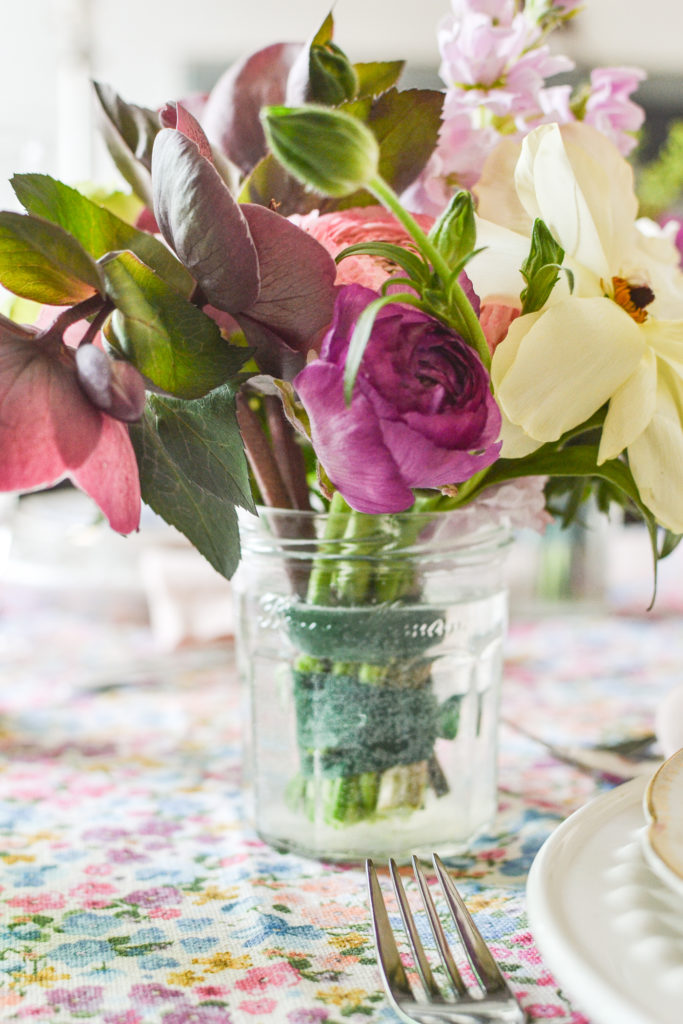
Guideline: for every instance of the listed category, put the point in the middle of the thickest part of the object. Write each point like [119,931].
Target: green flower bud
[328,150]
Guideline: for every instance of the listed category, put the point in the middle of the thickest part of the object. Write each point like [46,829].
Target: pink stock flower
[611,110]
[460,154]
[422,413]
[495,71]
[50,430]
[488,48]
[335,231]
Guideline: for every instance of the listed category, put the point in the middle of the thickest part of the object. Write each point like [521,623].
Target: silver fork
[494,1002]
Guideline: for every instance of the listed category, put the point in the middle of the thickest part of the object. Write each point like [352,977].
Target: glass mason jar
[372,647]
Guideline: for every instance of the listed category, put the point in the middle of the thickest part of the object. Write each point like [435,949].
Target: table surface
[133,889]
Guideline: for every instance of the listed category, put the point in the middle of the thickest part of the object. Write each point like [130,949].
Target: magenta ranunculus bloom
[422,413]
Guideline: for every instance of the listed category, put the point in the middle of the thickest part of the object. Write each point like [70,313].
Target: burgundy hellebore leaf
[49,430]
[272,277]
[175,115]
[202,223]
[231,115]
[422,413]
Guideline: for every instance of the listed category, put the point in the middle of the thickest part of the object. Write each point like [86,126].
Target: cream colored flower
[617,338]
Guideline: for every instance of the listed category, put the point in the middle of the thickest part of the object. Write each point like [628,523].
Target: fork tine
[478,954]
[390,963]
[423,967]
[438,932]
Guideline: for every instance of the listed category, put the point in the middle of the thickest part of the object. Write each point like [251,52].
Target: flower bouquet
[394,322]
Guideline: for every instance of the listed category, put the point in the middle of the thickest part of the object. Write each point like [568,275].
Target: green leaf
[406,125]
[97,229]
[376,77]
[129,133]
[361,335]
[325,32]
[670,542]
[576,461]
[416,268]
[455,233]
[193,471]
[171,342]
[40,261]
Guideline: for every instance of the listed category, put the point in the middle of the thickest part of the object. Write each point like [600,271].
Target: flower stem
[320,583]
[80,311]
[386,195]
[260,457]
[287,453]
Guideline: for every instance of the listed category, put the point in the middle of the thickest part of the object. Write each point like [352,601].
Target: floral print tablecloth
[133,890]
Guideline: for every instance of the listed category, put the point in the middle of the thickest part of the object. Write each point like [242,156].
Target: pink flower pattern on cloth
[133,891]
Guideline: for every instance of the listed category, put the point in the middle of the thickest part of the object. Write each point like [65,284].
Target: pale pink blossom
[259,978]
[457,161]
[521,502]
[611,110]
[489,48]
[38,902]
[256,1006]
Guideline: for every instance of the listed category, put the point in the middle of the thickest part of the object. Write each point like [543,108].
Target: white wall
[144,48]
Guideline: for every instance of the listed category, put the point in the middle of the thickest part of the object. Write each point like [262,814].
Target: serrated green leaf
[171,342]
[97,229]
[406,125]
[376,77]
[41,262]
[193,471]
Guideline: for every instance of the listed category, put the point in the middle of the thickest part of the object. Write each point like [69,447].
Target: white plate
[663,838]
[609,930]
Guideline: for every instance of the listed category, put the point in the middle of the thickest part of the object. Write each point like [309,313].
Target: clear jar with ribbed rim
[372,648]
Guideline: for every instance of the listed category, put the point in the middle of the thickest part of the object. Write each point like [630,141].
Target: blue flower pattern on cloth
[133,892]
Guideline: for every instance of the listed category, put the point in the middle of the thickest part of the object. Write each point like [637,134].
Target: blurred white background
[151,51]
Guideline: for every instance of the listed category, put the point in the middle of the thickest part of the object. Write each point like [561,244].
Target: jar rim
[458,529]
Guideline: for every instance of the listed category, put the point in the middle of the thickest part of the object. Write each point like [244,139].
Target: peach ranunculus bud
[495,318]
[342,228]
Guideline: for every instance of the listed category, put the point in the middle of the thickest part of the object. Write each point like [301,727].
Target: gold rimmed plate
[663,836]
